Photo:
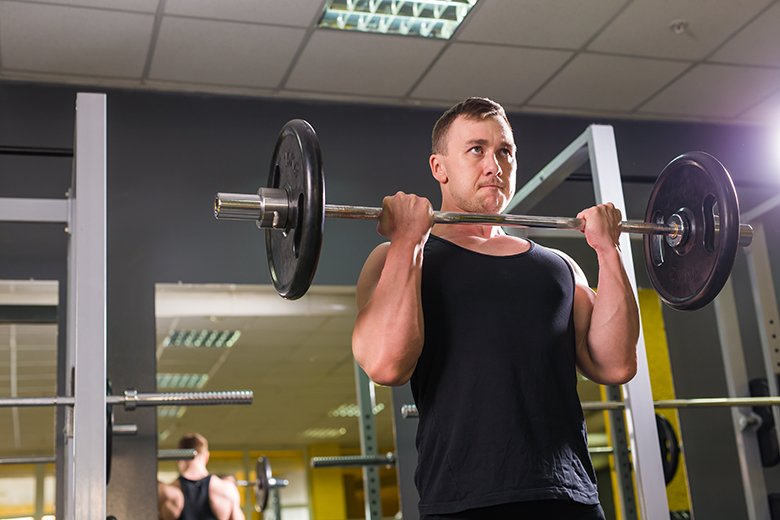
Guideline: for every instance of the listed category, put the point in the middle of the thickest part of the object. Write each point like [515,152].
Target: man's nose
[493,165]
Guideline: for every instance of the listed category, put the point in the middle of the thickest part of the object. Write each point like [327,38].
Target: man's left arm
[606,321]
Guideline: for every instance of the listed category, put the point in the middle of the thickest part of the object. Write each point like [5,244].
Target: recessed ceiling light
[202,338]
[171,412]
[324,433]
[352,410]
[173,380]
[431,19]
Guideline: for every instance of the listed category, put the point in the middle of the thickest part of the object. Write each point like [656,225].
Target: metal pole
[132,399]
[368,443]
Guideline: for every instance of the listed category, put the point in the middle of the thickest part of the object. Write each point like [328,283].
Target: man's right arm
[388,335]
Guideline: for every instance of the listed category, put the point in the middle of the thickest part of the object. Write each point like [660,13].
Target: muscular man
[491,329]
[198,495]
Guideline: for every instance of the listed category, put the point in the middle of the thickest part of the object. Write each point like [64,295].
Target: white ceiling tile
[73,40]
[643,29]
[767,111]
[715,91]
[607,82]
[506,74]
[545,23]
[299,13]
[756,44]
[147,6]
[335,61]
[230,53]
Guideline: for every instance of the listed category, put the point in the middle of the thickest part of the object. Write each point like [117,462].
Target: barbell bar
[353,461]
[247,206]
[51,459]
[410,410]
[691,225]
[132,399]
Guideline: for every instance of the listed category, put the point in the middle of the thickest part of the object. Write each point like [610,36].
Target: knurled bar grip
[247,206]
[133,399]
[353,460]
[51,459]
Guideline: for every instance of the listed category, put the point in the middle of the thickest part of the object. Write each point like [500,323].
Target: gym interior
[120,122]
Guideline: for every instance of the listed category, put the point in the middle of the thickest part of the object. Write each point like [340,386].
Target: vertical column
[368,445]
[767,315]
[640,412]
[405,452]
[744,419]
[86,349]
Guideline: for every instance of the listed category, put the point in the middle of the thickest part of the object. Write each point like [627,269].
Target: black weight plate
[691,275]
[296,167]
[262,483]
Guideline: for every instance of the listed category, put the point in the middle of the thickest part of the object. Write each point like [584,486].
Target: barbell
[691,228]
[131,399]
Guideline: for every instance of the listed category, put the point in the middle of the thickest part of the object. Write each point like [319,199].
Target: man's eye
[475,149]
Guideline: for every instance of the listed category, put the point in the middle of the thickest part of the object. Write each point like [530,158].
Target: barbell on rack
[387,459]
[691,227]
[131,399]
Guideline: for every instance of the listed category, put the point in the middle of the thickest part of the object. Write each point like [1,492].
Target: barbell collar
[270,209]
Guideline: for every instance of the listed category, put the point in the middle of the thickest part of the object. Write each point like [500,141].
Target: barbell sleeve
[133,399]
[270,209]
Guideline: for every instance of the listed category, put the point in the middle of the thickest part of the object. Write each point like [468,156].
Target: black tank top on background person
[496,383]
[196,499]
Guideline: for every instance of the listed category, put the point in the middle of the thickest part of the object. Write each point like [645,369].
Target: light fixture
[202,338]
[171,412]
[352,410]
[171,380]
[431,19]
[324,433]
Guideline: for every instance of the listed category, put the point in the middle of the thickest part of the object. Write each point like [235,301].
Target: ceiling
[703,60]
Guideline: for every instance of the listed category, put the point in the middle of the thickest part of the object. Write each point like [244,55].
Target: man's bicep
[369,275]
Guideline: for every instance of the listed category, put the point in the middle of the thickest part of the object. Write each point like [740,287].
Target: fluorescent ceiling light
[171,412]
[352,410]
[324,433]
[168,380]
[431,19]
[202,338]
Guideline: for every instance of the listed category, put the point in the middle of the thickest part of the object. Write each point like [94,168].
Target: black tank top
[496,383]
[196,499]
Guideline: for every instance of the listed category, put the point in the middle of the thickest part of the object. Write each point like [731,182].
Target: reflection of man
[197,494]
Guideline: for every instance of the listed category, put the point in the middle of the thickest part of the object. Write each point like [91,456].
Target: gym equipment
[353,461]
[264,483]
[132,399]
[691,228]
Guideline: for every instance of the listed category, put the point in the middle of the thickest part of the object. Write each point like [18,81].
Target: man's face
[477,170]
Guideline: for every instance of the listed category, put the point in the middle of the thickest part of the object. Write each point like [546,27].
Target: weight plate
[296,167]
[262,483]
[696,186]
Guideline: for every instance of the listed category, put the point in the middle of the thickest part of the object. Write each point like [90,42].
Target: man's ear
[437,168]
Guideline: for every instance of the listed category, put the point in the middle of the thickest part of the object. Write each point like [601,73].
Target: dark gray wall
[169,154]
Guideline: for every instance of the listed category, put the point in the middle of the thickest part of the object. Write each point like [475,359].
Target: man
[198,495]
[490,329]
